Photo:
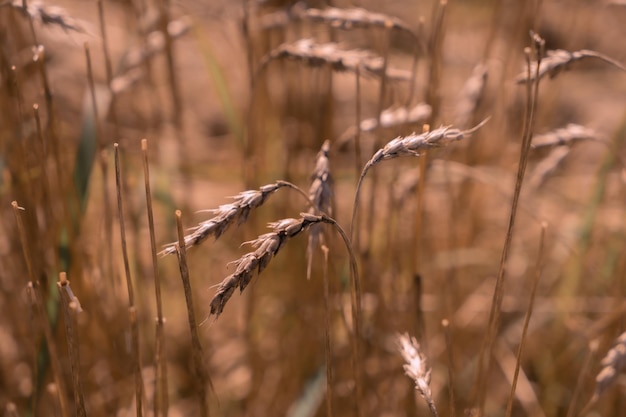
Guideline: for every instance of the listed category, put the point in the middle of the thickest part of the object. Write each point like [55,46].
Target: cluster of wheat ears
[372,145]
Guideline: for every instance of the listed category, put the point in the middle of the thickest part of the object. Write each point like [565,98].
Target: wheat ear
[227,214]
[559,59]
[267,246]
[320,193]
[47,15]
[563,136]
[316,55]
[411,145]
[613,363]
[416,368]
[336,18]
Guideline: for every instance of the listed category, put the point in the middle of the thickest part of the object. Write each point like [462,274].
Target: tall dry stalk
[71,308]
[132,310]
[532,93]
[203,379]
[161,401]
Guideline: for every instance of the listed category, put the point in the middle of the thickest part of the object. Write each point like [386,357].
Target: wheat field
[314,208]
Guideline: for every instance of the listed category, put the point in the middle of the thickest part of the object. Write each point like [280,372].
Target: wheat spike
[46,15]
[559,59]
[470,96]
[416,368]
[227,214]
[335,17]
[267,246]
[320,193]
[329,54]
[563,136]
[154,43]
[613,363]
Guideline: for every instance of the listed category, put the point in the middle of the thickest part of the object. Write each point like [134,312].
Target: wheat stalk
[227,214]
[416,368]
[559,59]
[46,15]
[329,54]
[471,95]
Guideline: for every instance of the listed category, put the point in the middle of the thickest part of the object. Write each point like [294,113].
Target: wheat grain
[47,15]
[559,59]
[155,42]
[320,193]
[411,145]
[329,54]
[563,136]
[390,118]
[471,95]
[267,246]
[227,214]
[335,17]
[416,368]
[613,363]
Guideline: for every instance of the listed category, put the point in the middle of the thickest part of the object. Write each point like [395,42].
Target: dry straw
[558,60]
[330,54]
[227,214]
[47,15]
[416,368]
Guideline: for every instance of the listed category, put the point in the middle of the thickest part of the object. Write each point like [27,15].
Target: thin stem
[196,347]
[445,323]
[327,341]
[131,298]
[161,403]
[71,308]
[42,316]
[529,312]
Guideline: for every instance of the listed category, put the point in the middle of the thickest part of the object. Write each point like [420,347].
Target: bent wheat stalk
[227,214]
[411,145]
[559,59]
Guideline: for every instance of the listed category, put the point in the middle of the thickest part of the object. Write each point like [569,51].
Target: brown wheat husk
[329,54]
[227,214]
[267,246]
[336,18]
[416,368]
[559,59]
[563,137]
[47,15]
[613,363]
[320,193]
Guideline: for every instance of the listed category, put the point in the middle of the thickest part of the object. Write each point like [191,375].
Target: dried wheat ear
[267,246]
[47,15]
[416,368]
[315,55]
[227,214]
[334,17]
[558,60]
[612,364]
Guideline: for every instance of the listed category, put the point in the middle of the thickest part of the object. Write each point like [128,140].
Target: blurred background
[221,117]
